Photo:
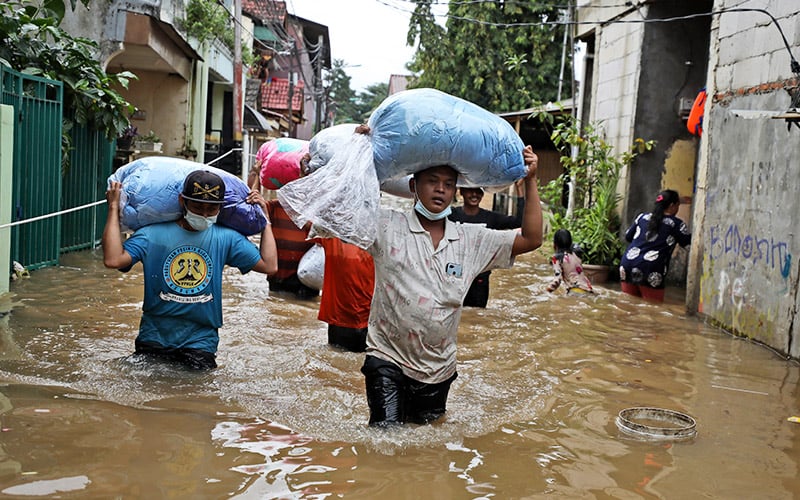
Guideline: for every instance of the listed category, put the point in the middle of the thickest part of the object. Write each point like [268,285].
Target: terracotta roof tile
[275,94]
[265,10]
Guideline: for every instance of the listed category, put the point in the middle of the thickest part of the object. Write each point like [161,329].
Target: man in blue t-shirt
[183,262]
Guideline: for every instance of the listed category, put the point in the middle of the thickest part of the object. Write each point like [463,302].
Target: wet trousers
[352,339]
[194,359]
[396,399]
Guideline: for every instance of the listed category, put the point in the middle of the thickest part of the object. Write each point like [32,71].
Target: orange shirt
[348,284]
[289,239]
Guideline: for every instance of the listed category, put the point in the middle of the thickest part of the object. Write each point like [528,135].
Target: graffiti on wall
[731,284]
[745,247]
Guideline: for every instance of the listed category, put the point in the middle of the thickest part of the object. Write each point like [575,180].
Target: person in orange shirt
[291,243]
[347,287]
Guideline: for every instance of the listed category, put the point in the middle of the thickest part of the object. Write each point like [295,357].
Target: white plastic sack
[420,128]
[150,189]
[329,140]
[311,268]
[341,199]
[326,142]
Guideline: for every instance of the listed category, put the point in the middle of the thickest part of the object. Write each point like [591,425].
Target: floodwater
[542,379]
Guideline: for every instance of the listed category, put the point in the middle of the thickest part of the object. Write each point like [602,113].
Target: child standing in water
[567,266]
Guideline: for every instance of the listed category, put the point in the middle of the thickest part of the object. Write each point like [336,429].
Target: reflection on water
[532,414]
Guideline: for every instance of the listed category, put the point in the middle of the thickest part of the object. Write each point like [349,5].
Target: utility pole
[289,110]
[237,79]
[319,90]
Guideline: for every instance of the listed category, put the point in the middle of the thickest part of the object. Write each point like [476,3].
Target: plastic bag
[326,142]
[420,128]
[150,189]
[311,268]
[280,161]
[341,199]
[329,140]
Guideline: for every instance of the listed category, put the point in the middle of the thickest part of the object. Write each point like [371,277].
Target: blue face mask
[420,208]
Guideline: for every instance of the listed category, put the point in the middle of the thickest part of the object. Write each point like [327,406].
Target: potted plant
[591,174]
[149,142]
[125,141]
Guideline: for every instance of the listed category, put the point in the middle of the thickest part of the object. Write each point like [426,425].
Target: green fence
[40,188]
[85,182]
[36,180]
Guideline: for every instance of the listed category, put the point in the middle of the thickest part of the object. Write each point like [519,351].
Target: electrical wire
[794,65]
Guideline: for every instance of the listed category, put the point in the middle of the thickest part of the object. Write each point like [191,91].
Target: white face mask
[198,222]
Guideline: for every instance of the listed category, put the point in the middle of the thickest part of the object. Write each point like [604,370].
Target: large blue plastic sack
[410,131]
[420,128]
[150,189]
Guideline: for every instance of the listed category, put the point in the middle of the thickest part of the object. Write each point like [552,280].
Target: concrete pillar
[6,173]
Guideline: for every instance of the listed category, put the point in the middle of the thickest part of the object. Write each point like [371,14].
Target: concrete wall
[167,117]
[744,275]
[616,77]
[6,184]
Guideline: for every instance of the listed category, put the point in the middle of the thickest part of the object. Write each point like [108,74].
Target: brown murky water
[532,414]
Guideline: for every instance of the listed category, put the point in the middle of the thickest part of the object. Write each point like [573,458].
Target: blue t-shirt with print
[183,281]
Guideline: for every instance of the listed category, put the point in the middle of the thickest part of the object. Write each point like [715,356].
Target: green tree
[371,98]
[477,57]
[341,97]
[32,42]
[592,172]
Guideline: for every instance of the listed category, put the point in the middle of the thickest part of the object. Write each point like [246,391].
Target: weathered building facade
[739,179]
[185,88]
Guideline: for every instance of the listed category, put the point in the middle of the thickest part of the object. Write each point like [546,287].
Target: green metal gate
[91,162]
[38,104]
[40,188]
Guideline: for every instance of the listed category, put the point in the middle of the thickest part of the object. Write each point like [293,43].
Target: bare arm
[531,236]
[254,177]
[268,264]
[114,255]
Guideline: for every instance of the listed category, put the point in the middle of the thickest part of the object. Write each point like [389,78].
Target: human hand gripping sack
[530,238]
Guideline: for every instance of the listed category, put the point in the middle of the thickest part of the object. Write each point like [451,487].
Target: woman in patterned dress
[652,238]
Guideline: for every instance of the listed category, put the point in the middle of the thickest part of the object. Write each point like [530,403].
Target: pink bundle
[280,161]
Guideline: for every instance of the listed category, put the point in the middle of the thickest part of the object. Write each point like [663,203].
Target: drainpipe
[237,80]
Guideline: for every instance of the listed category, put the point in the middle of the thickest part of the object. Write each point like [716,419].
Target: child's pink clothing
[567,268]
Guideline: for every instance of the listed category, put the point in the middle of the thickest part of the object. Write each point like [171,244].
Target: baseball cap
[204,187]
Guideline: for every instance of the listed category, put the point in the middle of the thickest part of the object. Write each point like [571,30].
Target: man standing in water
[424,264]
[472,213]
[183,262]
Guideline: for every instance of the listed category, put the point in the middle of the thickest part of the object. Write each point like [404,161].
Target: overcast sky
[369,35]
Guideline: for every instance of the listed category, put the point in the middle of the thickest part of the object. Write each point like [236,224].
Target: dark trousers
[396,399]
[478,294]
[351,339]
[194,359]
[292,284]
